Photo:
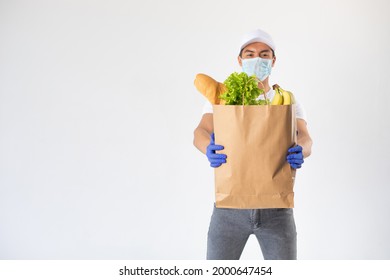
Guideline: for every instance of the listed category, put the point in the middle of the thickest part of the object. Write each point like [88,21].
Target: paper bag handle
[265,94]
[262,85]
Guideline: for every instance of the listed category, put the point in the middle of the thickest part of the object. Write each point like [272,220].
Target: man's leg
[228,233]
[276,233]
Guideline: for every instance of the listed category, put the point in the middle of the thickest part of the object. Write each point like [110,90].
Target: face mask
[257,66]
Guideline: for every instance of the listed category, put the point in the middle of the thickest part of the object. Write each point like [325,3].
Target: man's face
[257,49]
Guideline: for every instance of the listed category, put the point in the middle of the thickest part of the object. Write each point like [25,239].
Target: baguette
[210,88]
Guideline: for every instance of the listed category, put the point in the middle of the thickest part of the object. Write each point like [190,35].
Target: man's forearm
[305,143]
[201,139]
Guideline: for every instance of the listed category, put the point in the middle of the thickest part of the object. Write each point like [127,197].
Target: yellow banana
[278,98]
[286,97]
[292,97]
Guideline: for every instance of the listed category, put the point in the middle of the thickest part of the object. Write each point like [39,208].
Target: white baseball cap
[257,36]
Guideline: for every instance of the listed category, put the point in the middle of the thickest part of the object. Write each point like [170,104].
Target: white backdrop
[98,108]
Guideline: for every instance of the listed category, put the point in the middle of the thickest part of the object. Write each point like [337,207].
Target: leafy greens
[242,90]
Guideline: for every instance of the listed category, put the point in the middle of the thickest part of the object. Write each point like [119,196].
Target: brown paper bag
[256,139]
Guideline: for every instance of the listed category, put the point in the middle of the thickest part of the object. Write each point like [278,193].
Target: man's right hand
[215,159]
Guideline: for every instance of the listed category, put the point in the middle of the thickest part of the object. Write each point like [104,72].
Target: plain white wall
[98,108]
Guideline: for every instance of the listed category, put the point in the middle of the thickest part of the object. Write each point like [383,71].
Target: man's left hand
[295,157]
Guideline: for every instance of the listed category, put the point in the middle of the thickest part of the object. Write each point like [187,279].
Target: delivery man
[274,228]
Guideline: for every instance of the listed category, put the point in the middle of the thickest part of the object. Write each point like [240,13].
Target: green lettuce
[242,90]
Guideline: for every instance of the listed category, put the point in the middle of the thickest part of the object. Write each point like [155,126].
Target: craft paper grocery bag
[256,139]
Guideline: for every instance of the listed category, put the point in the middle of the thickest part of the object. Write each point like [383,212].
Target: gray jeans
[230,229]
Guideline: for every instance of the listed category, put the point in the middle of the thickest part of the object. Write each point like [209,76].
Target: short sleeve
[207,108]
[300,112]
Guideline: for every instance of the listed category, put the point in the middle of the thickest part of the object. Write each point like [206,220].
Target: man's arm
[303,139]
[203,131]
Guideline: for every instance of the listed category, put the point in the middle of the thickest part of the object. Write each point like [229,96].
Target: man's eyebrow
[250,51]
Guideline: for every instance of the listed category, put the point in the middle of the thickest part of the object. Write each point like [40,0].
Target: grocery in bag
[256,137]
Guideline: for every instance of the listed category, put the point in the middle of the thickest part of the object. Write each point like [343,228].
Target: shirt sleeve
[300,111]
[207,108]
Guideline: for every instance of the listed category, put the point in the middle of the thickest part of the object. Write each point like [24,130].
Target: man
[274,228]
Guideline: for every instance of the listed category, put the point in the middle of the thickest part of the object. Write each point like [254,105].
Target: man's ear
[239,60]
[273,61]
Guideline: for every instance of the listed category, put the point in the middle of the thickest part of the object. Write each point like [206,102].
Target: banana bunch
[282,97]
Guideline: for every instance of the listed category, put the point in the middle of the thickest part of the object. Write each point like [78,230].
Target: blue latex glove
[295,157]
[215,160]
